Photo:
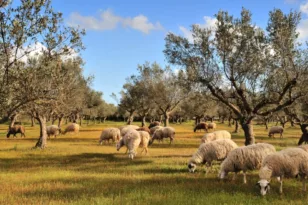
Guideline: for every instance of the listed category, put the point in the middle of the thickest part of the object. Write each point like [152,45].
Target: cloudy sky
[122,34]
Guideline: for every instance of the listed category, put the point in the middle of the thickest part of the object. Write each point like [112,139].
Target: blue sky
[122,34]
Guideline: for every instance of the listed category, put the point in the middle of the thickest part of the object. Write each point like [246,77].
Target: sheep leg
[244,178]
[280,180]
[234,176]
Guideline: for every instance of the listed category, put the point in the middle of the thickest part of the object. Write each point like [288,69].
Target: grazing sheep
[221,134]
[143,129]
[211,125]
[165,132]
[16,129]
[304,147]
[245,158]
[110,134]
[275,130]
[290,162]
[132,140]
[154,124]
[72,128]
[145,139]
[201,126]
[53,130]
[153,129]
[216,150]
[126,128]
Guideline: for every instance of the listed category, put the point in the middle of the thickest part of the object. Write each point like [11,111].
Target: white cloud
[209,23]
[109,21]
[304,8]
[303,29]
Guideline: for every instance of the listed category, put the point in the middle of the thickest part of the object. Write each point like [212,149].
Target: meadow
[74,169]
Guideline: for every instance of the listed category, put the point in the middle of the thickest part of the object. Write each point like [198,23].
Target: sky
[122,34]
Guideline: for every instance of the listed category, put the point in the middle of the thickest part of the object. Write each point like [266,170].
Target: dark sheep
[201,126]
[16,129]
[154,124]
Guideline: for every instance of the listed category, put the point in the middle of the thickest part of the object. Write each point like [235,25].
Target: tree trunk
[104,119]
[80,121]
[143,121]
[130,119]
[249,136]
[266,124]
[236,126]
[13,119]
[32,121]
[53,120]
[229,121]
[60,121]
[166,119]
[42,142]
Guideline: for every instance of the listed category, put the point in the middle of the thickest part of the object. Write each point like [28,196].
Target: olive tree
[265,71]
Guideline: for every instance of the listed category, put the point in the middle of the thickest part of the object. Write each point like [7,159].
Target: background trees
[265,71]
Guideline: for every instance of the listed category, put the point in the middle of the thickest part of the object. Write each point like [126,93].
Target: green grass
[73,169]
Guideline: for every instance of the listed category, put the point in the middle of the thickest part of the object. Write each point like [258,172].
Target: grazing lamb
[154,124]
[165,132]
[275,130]
[201,126]
[216,150]
[126,128]
[72,128]
[132,140]
[153,129]
[290,162]
[221,134]
[53,130]
[245,158]
[211,125]
[110,134]
[16,129]
[143,129]
[145,139]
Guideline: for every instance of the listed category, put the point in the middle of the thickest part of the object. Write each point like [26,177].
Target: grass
[73,169]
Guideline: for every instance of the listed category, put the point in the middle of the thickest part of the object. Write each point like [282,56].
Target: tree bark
[42,142]
[104,119]
[13,119]
[130,119]
[32,121]
[60,121]
[166,119]
[249,136]
[143,121]
[236,126]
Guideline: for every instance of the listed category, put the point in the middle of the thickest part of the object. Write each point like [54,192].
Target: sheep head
[192,167]
[264,186]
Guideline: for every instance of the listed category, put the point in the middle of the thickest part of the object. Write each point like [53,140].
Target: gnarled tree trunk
[143,121]
[248,131]
[42,142]
[166,119]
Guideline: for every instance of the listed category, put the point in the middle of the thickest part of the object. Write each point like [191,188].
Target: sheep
[211,125]
[72,128]
[221,134]
[16,129]
[132,140]
[245,158]
[275,130]
[153,129]
[304,147]
[154,124]
[53,130]
[165,132]
[216,150]
[143,129]
[126,128]
[201,126]
[290,162]
[110,134]
[145,139]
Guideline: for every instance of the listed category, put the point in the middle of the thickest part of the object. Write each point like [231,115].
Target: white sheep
[245,158]
[110,134]
[145,139]
[290,162]
[211,125]
[72,128]
[132,140]
[52,130]
[126,128]
[165,132]
[221,134]
[216,150]
[275,130]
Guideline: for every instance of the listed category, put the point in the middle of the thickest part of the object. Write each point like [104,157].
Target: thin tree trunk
[53,120]
[42,142]
[104,119]
[143,121]
[166,119]
[13,119]
[236,126]
[248,131]
[266,124]
[130,119]
[32,121]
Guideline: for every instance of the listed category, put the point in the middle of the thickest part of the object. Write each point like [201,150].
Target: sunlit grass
[74,169]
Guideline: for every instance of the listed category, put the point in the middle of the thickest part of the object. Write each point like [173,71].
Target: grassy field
[73,169]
